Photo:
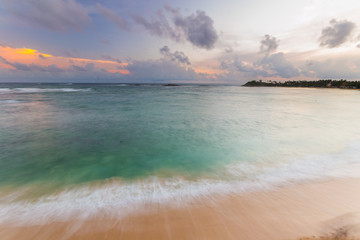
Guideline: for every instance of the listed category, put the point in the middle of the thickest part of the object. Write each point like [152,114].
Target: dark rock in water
[171,85]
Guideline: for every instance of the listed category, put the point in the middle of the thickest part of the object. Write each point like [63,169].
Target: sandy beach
[288,212]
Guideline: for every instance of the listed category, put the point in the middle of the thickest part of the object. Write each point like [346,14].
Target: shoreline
[288,212]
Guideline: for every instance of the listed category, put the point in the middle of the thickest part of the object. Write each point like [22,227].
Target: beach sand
[288,212]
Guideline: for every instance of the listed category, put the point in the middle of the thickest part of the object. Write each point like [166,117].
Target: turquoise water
[161,142]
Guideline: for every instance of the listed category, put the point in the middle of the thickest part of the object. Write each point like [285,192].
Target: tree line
[328,83]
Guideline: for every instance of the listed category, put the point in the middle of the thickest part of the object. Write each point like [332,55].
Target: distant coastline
[343,84]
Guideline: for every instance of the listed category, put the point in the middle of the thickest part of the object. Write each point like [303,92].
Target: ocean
[72,151]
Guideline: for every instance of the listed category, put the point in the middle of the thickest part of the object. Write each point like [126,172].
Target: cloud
[249,68]
[160,70]
[345,68]
[172,10]
[276,65]
[87,68]
[72,54]
[270,65]
[17,66]
[268,44]
[119,21]
[229,49]
[24,64]
[32,66]
[4,61]
[232,67]
[198,28]
[53,68]
[180,57]
[336,34]
[165,50]
[107,57]
[25,59]
[56,15]
[159,26]
[43,56]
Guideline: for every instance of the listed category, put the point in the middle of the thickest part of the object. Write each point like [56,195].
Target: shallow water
[110,146]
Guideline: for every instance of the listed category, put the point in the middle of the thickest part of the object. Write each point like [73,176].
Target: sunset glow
[11,57]
[141,42]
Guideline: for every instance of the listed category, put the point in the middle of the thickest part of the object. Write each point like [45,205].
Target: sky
[228,41]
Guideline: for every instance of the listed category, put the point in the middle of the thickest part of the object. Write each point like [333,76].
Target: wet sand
[291,212]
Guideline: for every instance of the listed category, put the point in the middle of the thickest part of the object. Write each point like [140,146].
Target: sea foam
[41,90]
[119,199]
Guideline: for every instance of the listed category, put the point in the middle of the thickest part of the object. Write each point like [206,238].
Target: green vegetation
[314,84]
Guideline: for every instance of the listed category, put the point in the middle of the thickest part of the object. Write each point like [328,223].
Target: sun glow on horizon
[13,57]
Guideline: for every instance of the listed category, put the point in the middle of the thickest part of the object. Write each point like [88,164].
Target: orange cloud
[28,51]
[31,56]
[208,67]
[208,71]
[121,71]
